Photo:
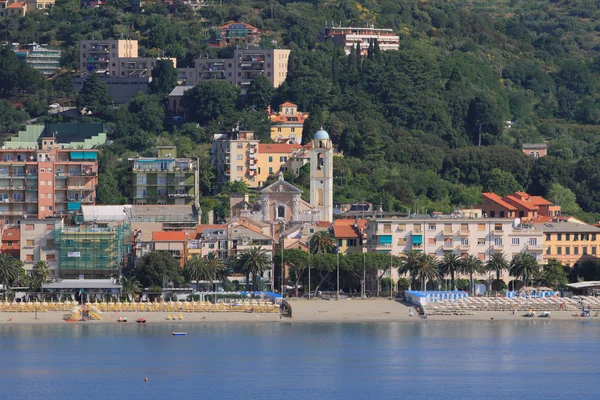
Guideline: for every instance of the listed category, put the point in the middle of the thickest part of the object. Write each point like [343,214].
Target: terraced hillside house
[49,170]
[164,179]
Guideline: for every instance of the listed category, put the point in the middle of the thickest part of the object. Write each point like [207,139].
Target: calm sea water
[528,360]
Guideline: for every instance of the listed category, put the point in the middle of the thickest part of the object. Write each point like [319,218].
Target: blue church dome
[321,134]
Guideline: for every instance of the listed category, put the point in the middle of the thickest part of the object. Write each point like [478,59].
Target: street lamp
[337,250]
[309,269]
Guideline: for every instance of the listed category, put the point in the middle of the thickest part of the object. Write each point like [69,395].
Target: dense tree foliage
[409,122]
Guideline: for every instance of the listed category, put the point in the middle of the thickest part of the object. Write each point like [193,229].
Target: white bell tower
[321,175]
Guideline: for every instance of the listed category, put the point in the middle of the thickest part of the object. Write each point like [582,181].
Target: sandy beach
[303,311]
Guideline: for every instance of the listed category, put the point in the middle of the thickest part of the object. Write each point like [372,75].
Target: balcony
[417,246]
[464,247]
[464,232]
[448,232]
[497,232]
[417,231]
[497,247]
[448,246]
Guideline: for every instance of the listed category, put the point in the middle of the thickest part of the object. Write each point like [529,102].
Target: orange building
[273,158]
[350,234]
[288,123]
[175,242]
[11,242]
[519,205]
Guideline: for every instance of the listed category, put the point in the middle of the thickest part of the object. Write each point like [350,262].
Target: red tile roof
[175,236]
[498,200]
[540,201]
[278,147]
[523,203]
[323,224]
[287,104]
[344,228]
[16,5]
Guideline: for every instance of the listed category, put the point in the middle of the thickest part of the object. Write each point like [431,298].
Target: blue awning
[90,155]
[74,206]
[417,239]
[76,155]
[385,239]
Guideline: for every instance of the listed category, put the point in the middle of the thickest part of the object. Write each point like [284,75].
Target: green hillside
[409,122]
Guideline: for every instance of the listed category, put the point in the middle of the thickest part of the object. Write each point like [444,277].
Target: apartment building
[49,170]
[273,158]
[38,244]
[288,123]
[174,242]
[239,70]
[39,57]
[570,242]
[351,235]
[519,205]
[437,236]
[213,239]
[236,34]
[234,157]
[350,37]
[92,251]
[164,179]
[102,56]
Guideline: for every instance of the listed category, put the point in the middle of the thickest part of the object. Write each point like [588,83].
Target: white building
[321,175]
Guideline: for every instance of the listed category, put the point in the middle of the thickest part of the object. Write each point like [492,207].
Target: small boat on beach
[141,320]
[179,333]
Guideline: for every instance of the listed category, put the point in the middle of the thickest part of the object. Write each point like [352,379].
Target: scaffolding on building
[92,251]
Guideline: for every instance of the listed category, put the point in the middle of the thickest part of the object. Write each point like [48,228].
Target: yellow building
[273,158]
[570,242]
[350,235]
[288,123]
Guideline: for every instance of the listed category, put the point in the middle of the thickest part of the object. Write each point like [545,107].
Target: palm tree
[524,266]
[408,262]
[40,274]
[193,270]
[253,262]
[322,242]
[9,270]
[212,267]
[450,265]
[497,263]
[130,286]
[422,267]
[472,265]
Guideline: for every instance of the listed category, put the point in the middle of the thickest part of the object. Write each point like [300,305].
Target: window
[29,242]
[50,243]
[558,250]
[431,241]
[42,208]
[576,250]
[481,256]
[49,183]
[481,241]
[559,237]
[593,250]
[567,236]
[548,237]
[575,237]
[498,242]
[50,257]
[593,236]
[584,250]
[481,227]
[28,257]
[282,159]
[42,170]
[533,242]
[351,242]
[515,241]
[464,242]
[240,168]
[270,170]
[240,145]
[29,227]
[280,211]
[240,157]
[567,250]
[548,250]
[431,227]
[270,158]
